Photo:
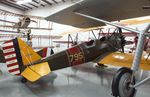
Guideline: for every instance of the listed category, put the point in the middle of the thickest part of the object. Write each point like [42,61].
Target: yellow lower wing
[34,72]
[125,60]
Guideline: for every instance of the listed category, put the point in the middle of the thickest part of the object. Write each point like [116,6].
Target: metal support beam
[7,21]
[14,5]
[93,34]
[139,49]
[33,5]
[21,15]
[8,31]
[33,36]
[109,23]
[35,1]
[26,6]
[63,0]
[55,1]
[17,27]
[141,82]
[146,7]
[43,5]
[47,2]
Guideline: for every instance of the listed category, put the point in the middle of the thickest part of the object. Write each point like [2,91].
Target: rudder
[17,54]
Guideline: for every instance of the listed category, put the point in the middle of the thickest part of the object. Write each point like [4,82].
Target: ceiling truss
[31,5]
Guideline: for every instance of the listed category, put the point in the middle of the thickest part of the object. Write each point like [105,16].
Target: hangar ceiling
[30,5]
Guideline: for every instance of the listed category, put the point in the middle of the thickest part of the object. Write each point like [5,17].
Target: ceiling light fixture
[23,1]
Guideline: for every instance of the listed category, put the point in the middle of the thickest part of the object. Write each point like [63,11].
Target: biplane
[93,13]
[124,83]
[21,24]
[22,60]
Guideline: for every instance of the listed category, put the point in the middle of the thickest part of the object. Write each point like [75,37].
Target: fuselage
[94,50]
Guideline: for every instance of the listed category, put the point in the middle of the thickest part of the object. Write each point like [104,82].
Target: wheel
[23,80]
[121,82]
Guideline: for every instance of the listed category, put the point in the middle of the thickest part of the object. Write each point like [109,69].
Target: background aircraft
[124,83]
[22,24]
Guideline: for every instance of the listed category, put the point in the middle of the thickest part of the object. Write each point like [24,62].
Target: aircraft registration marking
[75,56]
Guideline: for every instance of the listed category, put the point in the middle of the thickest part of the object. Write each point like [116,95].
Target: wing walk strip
[10,57]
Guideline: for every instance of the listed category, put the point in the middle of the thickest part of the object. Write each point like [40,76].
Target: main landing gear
[121,85]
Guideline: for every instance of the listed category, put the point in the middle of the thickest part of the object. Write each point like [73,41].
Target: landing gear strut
[121,83]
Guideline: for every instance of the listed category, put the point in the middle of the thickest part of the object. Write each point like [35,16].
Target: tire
[121,82]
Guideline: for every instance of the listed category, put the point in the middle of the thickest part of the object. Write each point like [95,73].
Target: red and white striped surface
[10,57]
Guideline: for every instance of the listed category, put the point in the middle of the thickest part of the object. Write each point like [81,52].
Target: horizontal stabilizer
[34,72]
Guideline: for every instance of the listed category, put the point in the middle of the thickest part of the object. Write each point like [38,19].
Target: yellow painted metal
[76,30]
[28,54]
[125,60]
[34,72]
[30,74]
[135,21]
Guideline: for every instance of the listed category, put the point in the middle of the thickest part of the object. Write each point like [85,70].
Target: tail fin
[17,53]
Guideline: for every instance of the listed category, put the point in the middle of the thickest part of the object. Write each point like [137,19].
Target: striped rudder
[12,56]
[18,55]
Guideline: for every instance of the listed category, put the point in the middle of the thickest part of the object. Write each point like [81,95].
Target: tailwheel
[23,80]
[121,83]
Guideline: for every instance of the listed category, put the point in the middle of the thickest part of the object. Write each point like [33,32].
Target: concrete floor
[82,81]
